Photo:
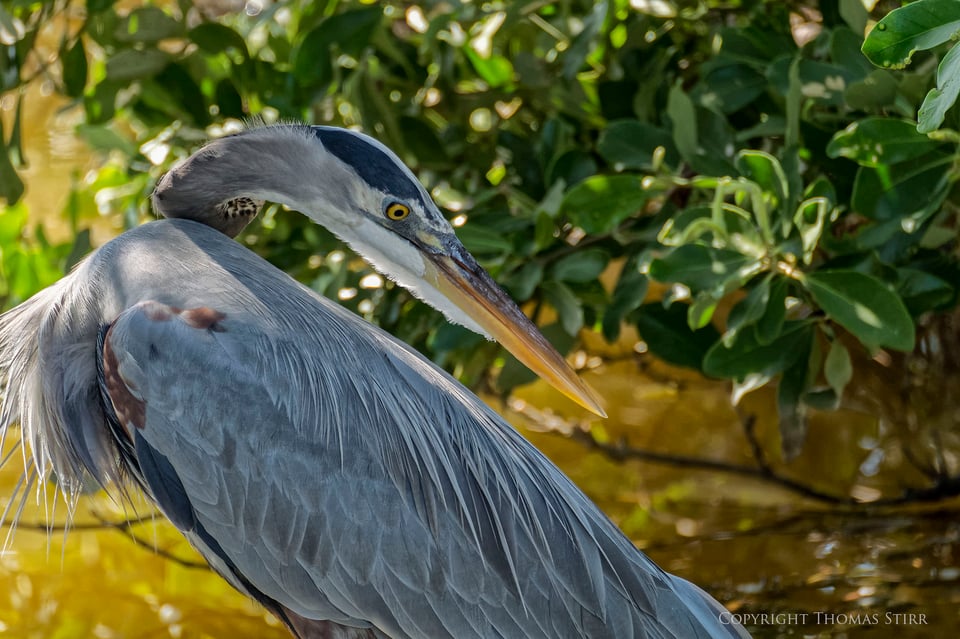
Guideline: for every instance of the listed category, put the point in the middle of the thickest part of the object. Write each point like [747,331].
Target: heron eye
[397,211]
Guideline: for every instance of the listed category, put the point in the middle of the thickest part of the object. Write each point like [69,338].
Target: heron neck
[222,184]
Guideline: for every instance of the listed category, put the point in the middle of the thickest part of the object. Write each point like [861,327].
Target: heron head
[398,228]
[360,190]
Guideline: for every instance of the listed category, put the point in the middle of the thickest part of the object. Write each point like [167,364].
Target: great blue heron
[321,466]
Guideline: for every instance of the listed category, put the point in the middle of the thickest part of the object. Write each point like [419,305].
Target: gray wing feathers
[351,480]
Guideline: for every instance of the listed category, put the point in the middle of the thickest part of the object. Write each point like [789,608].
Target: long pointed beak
[465,283]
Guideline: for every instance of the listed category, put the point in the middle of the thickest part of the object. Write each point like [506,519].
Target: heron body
[320,465]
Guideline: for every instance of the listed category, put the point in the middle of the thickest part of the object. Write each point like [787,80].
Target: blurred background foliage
[738,187]
[734,181]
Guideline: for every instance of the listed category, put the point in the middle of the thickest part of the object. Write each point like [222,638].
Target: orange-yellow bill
[468,286]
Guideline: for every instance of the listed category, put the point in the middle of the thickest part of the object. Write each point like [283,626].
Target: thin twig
[102,524]
[126,528]
[123,526]
[620,450]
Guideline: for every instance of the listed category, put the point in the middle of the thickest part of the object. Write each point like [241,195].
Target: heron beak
[466,284]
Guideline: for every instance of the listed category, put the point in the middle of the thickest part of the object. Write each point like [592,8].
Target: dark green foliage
[707,151]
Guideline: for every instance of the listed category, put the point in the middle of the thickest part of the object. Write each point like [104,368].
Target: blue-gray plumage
[320,465]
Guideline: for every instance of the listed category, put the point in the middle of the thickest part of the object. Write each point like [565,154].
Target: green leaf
[544,231]
[864,306]
[421,140]
[747,356]
[875,141]
[217,38]
[480,239]
[868,237]
[131,64]
[495,70]
[810,219]
[600,203]
[837,368]
[567,304]
[629,144]
[701,311]
[228,99]
[376,111]
[96,6]
[9,28]
[708,150]
[845,49]
[103,138]
[11,186]
[820,81]
[683,115]
[524,281]
[147,24]
[698,223]
[773,126]
[13,219]
[748,310]
[890,193]
[919,25]
[549,207]
[854,14]
[922,291]
[821,187]
[450,337]
[175,92]
[573,167]
[770,324]
[698,267]
[582,266]
[877,90]
[579,50]
[940,99]
[668,336]
[351,31]
[794,102]
[730,87]
[765,170]
[312,67]
[628,294]
[75,69]
[100,105]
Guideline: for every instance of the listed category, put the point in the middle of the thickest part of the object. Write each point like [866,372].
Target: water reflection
[98,582]
[56,158]
[791,566]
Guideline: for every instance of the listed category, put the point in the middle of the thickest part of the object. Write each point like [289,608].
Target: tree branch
[123,526]
[942,488]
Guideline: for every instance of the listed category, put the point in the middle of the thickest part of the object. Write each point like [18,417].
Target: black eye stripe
[377,167]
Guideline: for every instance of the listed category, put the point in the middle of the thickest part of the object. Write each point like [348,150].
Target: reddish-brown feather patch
[316,629]
[203,317]
[159,312]
[129,409]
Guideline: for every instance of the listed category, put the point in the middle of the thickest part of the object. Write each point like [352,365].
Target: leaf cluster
[745,158]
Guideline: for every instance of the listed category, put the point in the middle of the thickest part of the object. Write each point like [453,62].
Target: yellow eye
[397,211]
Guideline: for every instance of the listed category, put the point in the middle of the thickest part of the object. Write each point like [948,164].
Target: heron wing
[341,475]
